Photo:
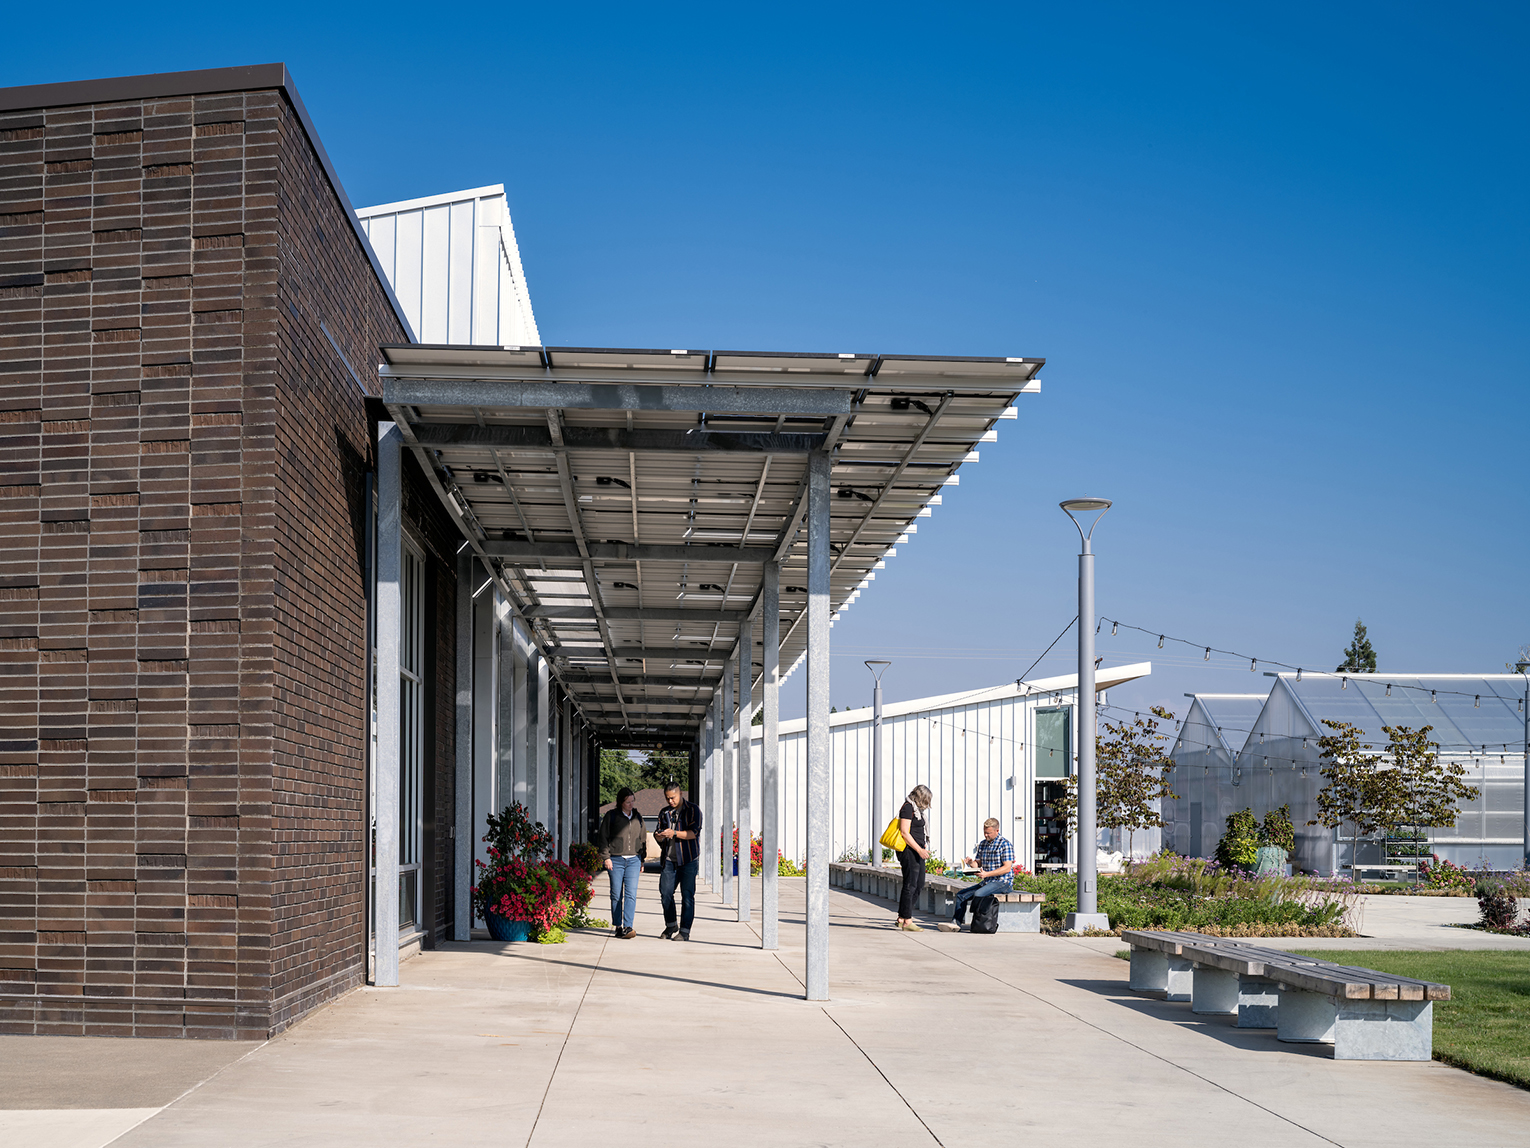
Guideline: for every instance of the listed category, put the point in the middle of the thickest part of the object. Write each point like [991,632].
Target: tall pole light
[878,667]
[1522,666]
[1088,915]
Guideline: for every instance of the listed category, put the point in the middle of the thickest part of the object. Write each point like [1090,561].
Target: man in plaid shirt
[994,858]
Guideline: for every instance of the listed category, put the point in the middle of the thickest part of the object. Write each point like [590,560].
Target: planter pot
[502,929]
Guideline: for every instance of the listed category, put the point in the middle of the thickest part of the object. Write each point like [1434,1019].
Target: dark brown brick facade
[183,450]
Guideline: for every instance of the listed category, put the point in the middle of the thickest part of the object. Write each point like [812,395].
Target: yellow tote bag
[892,837]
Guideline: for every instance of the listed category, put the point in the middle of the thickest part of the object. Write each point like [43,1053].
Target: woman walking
[911,823]
[623,841]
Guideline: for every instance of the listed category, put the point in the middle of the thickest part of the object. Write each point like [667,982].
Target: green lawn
[1485,1025]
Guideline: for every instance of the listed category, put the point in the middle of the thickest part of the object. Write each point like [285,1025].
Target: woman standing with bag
[623,843]
[911,824]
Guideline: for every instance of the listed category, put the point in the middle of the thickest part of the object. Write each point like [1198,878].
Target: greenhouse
[1213,731]
[1477,720]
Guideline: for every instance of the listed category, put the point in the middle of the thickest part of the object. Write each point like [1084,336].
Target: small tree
[1359,658]
[1356,791]
[1239,845]
[1132,774]
[1429,792]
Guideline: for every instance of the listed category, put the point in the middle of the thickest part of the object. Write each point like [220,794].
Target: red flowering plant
[520,883]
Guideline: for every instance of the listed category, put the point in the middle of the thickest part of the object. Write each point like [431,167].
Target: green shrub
[1277,829]
[1240,844]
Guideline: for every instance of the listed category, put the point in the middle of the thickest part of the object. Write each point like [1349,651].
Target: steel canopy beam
[641,440]
[489,394]
[639,614]
[627,552]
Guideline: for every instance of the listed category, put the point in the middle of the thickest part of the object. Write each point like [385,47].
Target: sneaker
[911,927]
[669,932]
[682,935]
[949,927]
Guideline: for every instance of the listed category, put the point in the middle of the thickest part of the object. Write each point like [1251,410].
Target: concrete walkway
[931,1039]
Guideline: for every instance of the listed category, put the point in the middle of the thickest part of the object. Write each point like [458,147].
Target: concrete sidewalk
[931,1038]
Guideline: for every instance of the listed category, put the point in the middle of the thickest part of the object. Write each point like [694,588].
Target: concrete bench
[1360,1013]
[1019,912]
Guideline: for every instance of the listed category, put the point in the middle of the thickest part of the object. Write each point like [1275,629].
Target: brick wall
[182,608]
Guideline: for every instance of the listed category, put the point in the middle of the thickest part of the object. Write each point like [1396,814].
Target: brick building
[189,320]
[290,601]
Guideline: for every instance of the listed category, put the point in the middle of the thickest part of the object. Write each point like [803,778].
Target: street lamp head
[1073,507]
[873,663]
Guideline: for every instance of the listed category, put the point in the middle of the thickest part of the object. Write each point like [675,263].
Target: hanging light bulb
[1113,629]
[1207,658]
[1160,641]
[1389,689]
[1298,673]
[1253,664]
[1304,769]
[1477,702]
[1261,737]
[1344,683]
[1098,624]
[1433,698]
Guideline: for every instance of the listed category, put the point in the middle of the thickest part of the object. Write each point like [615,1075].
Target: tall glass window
[1054,742]
[411,735]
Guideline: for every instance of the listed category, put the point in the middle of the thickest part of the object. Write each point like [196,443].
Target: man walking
[679,836]
[994,858]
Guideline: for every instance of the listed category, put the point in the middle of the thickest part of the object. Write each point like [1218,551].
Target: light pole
[1088,914]
[874,853]
[1522,666]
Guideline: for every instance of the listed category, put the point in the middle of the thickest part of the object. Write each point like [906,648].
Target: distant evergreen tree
[1359,658]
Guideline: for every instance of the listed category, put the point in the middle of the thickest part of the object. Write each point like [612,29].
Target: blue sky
[1274,255]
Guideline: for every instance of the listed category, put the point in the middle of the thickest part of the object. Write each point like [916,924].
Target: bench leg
[1024,917]
[1384,1030]
[1306,1018]
[1214,992]
[1150,971]
[1181,979]
[1258,1002]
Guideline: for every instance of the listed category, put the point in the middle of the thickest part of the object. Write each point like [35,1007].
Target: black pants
[913,882]
[685,877]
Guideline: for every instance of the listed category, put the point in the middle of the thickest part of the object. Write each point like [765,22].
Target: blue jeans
[685,877]
[624,878]
[989,888]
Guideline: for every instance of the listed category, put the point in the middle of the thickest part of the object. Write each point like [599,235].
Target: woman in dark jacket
[911,823]
[623,839]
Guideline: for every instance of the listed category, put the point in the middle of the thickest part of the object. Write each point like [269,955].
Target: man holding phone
[994,860]
[679,835]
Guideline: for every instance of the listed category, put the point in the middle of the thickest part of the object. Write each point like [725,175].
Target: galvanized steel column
[389,698]
[745,717]
[770,757]
[818,780]
[1088,894]
[714,825]
[726,758]
[708,873]
[462,814]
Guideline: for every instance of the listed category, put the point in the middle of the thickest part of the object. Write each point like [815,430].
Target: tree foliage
[1359,658]
[1132,773]
[1406,787]
[618,768]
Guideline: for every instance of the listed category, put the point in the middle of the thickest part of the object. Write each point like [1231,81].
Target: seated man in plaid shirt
[994,857]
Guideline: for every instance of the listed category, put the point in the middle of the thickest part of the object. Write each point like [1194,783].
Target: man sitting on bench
[994,857]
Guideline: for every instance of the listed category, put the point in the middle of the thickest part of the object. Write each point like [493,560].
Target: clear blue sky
[1276,259]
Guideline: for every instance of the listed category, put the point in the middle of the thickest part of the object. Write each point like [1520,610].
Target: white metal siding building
[981,752]
[453,262]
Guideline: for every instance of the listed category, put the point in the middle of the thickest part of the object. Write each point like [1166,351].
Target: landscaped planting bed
[1199,895]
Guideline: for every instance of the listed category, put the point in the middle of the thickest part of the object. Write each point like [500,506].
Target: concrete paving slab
[930,1038]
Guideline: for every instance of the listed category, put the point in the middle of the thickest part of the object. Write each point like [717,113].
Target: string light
[1113,629]
[1389,689]
[1477,702]
[1253,664]
[1298,673]
[1160,641]
[1207,658]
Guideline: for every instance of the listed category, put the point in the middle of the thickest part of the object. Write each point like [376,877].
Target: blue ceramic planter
[502,930]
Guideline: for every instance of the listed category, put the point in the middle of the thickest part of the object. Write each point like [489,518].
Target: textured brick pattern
[182,600]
